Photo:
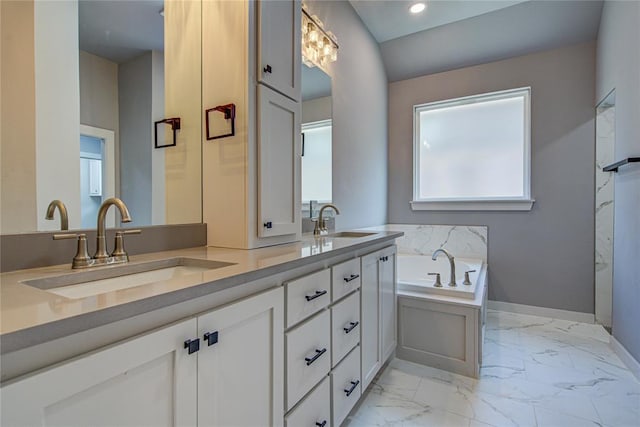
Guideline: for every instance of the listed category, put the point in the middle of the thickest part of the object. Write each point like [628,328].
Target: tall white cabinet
[378,312]
[168,377]
[251,57]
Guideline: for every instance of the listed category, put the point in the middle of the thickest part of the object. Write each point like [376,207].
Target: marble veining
[536,371]
[462,240]
[605,142]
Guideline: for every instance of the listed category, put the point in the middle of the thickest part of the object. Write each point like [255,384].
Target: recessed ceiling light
[417,8]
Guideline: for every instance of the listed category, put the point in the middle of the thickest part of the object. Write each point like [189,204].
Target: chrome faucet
[320,227]
[118,256]
[64,216]
[452,263]
[101,246]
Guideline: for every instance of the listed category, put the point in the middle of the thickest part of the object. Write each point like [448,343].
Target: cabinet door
[148,380]
[369,316]
[278,164]
[279,52]
[240,373]
[387,277]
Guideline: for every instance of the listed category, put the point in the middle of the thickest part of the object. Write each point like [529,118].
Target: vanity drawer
[314,410]
[345,278]
[345,326]
[307,295]
[345,385]
[308,349]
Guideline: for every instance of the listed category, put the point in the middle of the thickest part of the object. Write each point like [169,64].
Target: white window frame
[311,126]
[523,203]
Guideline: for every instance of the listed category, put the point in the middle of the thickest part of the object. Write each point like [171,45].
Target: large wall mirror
[316,140]
[101,74]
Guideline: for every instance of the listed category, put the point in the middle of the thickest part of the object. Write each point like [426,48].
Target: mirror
[102,74]
[316,140]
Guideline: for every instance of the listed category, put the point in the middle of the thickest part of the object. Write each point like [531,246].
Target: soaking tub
[413,275]
[441,327]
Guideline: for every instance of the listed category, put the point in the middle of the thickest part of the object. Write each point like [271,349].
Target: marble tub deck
[536,371]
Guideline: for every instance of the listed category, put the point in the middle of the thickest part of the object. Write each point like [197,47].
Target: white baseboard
[625,356]
[554,313]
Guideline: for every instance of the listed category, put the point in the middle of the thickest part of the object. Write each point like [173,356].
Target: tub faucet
[101,251]
[320,227]
[64,216]
[452,263]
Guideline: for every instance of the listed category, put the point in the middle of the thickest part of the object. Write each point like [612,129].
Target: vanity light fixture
[417,8]
[319,47]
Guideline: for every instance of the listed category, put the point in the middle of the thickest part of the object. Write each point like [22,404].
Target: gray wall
[99,98]
[544,257]
[135,94]
[359,92]
[618,66]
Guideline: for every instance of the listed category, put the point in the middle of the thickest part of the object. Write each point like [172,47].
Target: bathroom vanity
[289,334]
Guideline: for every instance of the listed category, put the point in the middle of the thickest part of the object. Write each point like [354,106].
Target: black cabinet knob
[268,224]
[211,338]
[192,345]
[267,69]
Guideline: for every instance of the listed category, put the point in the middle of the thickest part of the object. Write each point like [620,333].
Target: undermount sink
[351,234]
[95,282]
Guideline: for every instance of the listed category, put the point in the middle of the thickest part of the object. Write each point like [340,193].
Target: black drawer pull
[354,384]
[322,424]
[352,277]
[350,327]
[384,258]
[314,296]
[319,353]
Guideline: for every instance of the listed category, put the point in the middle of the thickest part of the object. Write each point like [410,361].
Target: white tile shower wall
[605,139]
[462,241]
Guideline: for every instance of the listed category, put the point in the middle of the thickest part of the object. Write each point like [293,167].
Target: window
[316,162]
[473,153]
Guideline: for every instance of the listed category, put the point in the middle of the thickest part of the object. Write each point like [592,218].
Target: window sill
[473,205]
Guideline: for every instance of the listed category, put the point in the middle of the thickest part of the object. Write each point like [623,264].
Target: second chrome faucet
[320,227]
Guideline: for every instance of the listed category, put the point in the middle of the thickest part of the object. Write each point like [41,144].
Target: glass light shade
[313,36]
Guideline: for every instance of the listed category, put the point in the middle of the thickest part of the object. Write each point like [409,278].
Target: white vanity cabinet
[378,311]
[279,164]
[240,363]
[147,380]
[279,50]
[323,343]
[167,377]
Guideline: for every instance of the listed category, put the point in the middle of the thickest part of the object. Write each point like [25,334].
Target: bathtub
[413,277]
[441,327]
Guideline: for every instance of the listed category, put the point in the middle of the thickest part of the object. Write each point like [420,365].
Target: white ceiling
[390,19]
[519,29]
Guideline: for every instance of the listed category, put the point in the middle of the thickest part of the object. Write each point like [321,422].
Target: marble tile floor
[536,371]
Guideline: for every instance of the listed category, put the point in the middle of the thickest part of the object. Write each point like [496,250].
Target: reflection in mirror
[101,74]
[316,140]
